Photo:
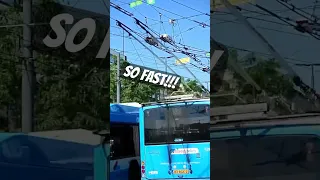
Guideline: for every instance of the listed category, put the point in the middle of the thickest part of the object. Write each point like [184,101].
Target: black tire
[134,172]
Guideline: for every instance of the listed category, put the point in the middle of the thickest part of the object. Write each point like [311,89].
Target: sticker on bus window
[153,172]
[183,171]
[178,140]
[185,151]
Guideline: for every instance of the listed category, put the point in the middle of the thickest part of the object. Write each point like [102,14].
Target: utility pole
[27,70]
[207,82]
[166,89]
[11,120]
[312,71]
[118,79]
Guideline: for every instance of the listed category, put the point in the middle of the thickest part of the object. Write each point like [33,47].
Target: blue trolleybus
[175,139]
[56,155]
[255,145]
[38,157]
[118,154]
[124,140]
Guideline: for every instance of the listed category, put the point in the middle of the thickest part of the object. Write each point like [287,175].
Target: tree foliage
[276,87]
[71,88]
[131,90]
[268,76]
[136,91]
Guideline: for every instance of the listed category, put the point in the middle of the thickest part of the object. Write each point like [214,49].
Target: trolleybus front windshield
[174,124]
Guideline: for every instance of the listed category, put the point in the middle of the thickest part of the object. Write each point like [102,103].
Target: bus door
[124,148]
[101,160]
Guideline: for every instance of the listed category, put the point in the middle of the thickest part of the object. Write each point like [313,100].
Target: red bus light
[142,167]
[143,171]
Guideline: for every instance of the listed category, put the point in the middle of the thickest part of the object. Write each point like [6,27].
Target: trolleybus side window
[121,141]
[22,151]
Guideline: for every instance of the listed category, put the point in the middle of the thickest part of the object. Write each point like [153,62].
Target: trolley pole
[312,71]
[166,89]
[118,79]
[27,70]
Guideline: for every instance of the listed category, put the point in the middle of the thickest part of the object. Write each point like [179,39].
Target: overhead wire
[294,9]
[130,31]
[283,19]
[184,52]
[278,17]
[37,62]
[183,18]
[145,57]
[181,51]
[130,52]
[151,63]
[127,29]
[146,28]
[154,6]
[207,14]
[314,11]
[298,82]
[266,28]
[158,34]
[193,65]
[137,52]
[199,23]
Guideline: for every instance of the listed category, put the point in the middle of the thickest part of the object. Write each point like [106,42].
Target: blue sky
[296,47]
[185,31]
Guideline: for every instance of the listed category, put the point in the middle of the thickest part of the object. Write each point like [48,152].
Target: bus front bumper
[184,179]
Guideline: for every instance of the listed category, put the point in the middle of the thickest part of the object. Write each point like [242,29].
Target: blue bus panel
[29,157]
[175,141]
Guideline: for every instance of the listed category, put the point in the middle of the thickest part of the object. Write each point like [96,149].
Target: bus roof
[133,104]
[174,102]
[4,135]
[125,113]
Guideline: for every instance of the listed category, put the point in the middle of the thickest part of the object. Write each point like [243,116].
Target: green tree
[190,86]
[137,91]
[71,88]
[10,66]
[266,73]
[268,76]
[131,90]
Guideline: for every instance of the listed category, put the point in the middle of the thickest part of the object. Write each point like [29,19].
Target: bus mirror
[105,133]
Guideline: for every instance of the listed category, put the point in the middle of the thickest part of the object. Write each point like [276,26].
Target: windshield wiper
[169,158]
[295,159]
[188,160]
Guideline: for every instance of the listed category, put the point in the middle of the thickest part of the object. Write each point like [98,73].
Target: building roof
[81,136]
